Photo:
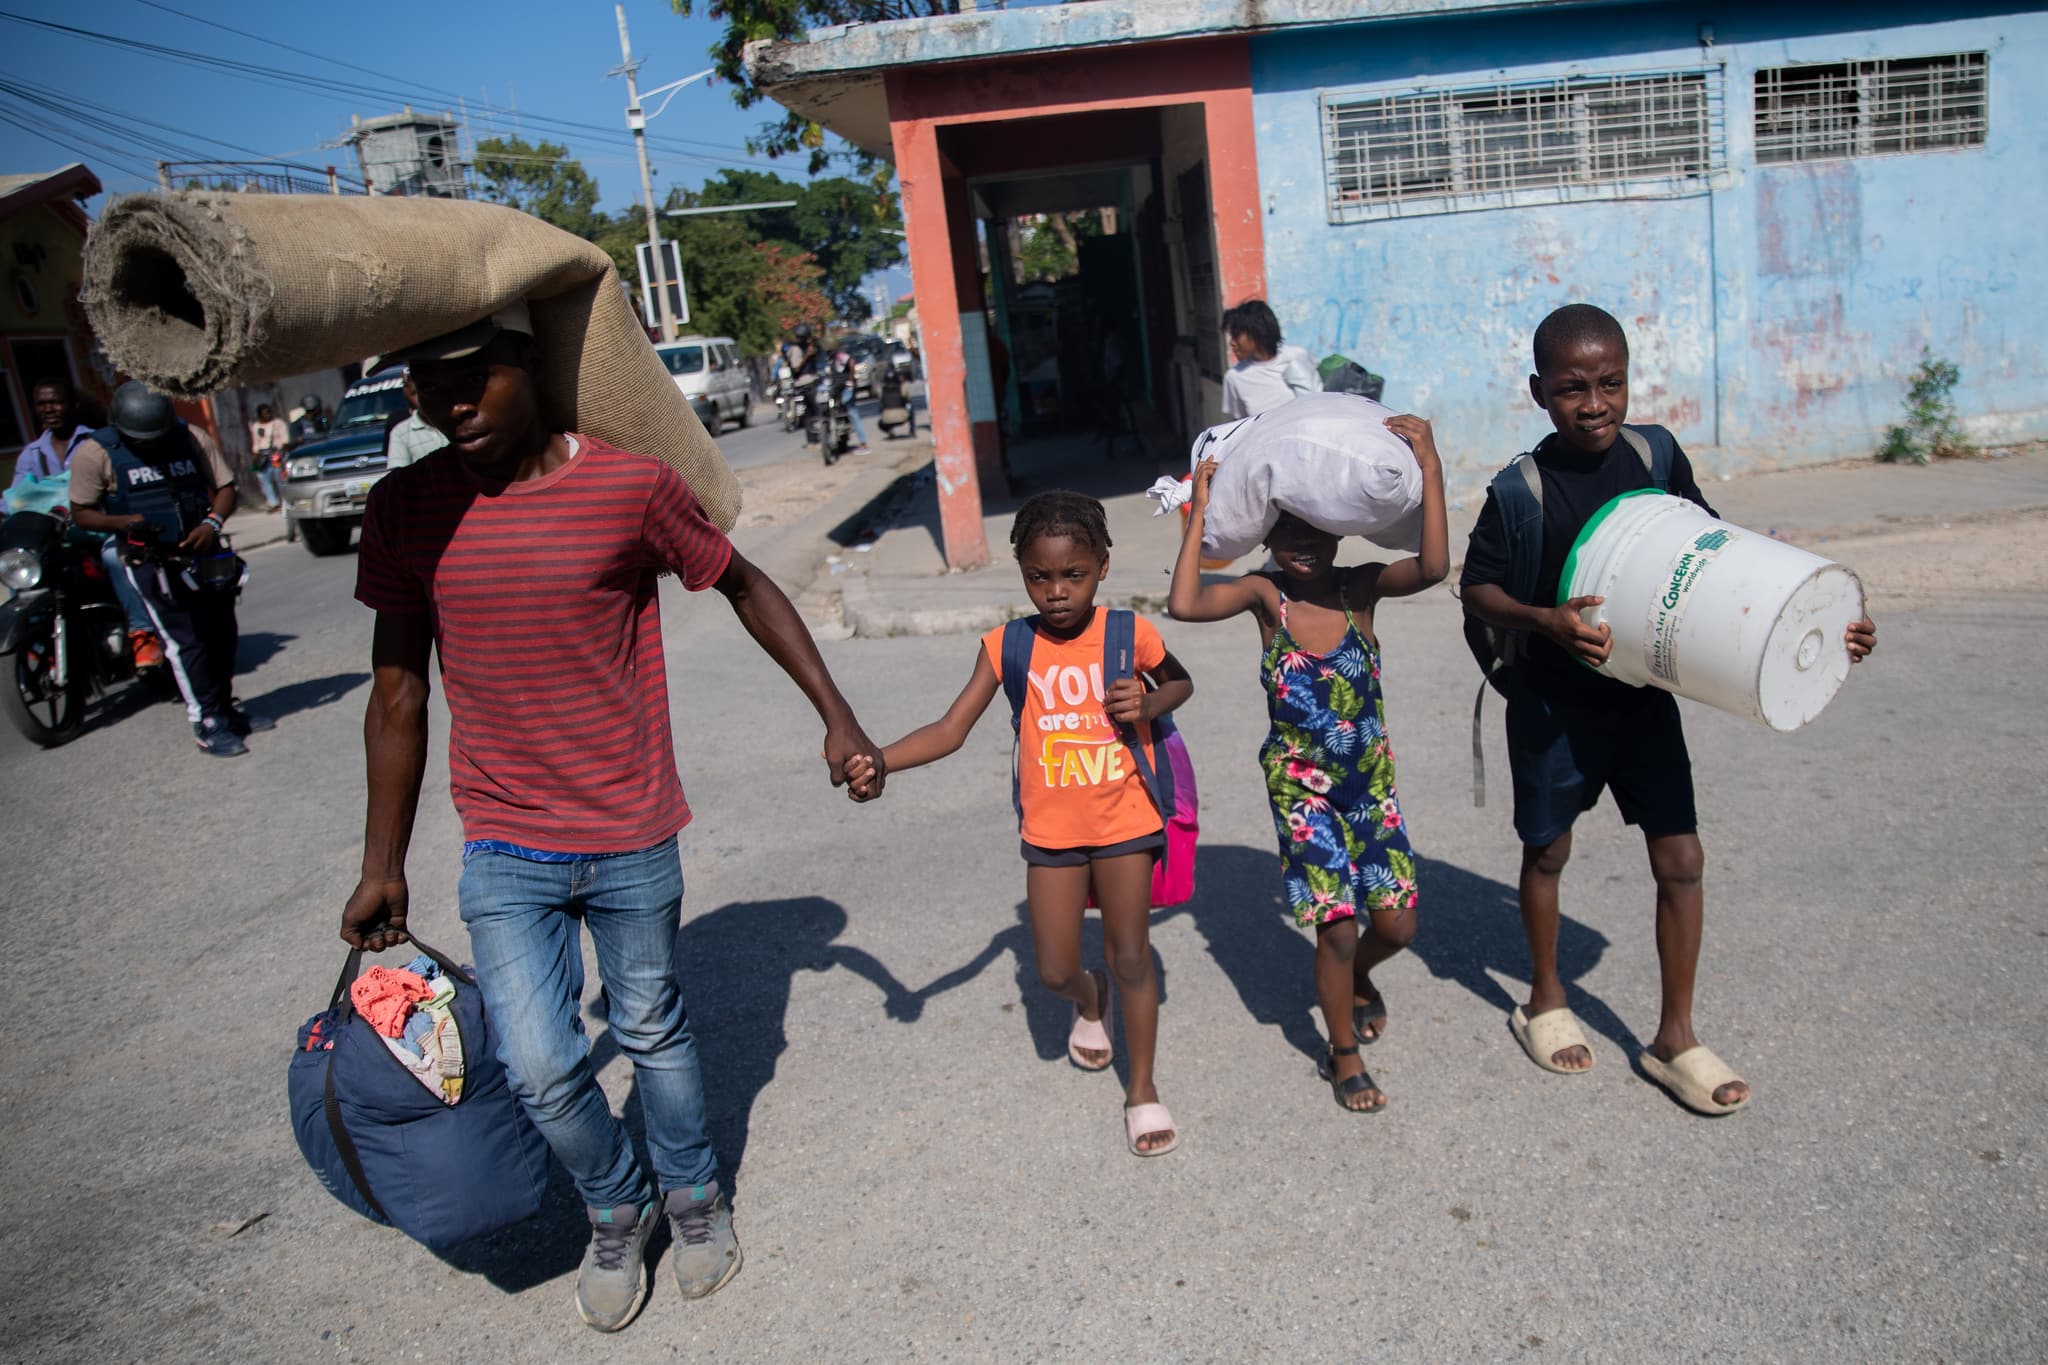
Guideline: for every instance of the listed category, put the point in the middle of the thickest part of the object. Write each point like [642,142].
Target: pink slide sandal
[1092,1035]
[1140,1119]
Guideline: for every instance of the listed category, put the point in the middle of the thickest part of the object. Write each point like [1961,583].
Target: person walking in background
[268,439]
[1264,371]
[409,438]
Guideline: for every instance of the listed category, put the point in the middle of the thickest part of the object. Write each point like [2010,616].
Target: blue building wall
[1773,319]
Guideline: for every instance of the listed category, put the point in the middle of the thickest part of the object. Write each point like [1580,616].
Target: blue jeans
[266,479]
[522,924]
[124,587]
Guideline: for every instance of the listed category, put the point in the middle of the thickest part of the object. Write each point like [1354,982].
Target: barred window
[1523,142]
[1878,108]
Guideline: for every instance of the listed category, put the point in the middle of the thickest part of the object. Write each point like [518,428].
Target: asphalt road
[919,1173]
[763,441]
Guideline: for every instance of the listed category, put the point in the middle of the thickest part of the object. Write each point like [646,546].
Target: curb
[869,620]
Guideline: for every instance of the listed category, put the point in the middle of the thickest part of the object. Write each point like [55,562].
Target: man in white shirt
[411,438]
[1264,372]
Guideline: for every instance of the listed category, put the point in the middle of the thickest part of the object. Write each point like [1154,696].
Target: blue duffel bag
[393,1151]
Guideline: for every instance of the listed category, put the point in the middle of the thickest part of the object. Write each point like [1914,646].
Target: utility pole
[636,120]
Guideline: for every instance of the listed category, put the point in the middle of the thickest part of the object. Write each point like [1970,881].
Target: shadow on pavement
[310,695]
[1471,930]
[256,648]
[1047,1017]
[741,961]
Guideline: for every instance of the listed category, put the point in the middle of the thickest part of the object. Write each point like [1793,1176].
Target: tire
[46,719]
[328,536]
[746,411]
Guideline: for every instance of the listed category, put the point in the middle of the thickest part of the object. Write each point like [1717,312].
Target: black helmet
[311,402]
[141,413]
[802,331]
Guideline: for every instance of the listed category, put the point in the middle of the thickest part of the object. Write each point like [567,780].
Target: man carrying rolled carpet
[528,558]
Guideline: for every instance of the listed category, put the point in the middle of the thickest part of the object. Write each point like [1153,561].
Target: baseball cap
[466,341]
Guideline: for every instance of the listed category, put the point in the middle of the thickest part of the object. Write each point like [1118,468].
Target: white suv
[710,367]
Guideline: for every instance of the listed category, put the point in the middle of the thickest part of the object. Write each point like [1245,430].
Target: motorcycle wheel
[45,714]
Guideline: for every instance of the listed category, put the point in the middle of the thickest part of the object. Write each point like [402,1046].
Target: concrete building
[1784,203]
[43,329]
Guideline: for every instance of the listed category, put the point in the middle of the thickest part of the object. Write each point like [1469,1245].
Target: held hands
[374,918]
[1124,699]
[1862,639]
[1568,629]
[863,777]
[856,761]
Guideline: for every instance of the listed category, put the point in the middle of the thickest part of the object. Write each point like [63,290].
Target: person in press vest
[163,488]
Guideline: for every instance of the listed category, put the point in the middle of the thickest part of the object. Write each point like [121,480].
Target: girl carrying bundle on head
[1328,762]
[1087,818]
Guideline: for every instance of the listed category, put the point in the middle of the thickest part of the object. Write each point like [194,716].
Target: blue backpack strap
[1656,447]
[1018,637]
[1120,660]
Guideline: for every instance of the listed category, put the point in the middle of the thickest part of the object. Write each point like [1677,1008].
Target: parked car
[328,481]
[710,366]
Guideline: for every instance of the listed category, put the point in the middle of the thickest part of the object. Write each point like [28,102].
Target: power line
[444,97]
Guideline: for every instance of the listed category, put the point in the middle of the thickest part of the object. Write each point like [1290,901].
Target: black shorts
[1081,856]
[1563,755]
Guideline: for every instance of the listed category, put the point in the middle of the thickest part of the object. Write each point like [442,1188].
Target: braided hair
[1060,512]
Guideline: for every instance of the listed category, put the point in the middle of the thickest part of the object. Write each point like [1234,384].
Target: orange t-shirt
[1078,783]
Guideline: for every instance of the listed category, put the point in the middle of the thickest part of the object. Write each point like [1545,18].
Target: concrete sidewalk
[900,585]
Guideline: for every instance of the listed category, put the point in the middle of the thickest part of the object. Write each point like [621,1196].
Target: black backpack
[1518,492]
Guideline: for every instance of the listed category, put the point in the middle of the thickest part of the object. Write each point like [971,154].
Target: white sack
[1326,457]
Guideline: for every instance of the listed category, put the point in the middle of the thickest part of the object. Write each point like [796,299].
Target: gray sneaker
[613,1282]
[705,1254]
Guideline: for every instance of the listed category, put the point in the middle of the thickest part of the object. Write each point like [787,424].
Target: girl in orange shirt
[1086,817]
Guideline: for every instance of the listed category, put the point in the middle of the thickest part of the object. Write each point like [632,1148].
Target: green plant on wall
[1932,427]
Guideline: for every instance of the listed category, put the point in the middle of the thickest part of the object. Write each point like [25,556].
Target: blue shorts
[1564,755]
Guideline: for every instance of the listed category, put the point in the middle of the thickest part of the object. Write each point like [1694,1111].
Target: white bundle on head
[1328,458]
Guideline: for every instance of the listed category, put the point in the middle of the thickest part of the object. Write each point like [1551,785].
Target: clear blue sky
[517,63]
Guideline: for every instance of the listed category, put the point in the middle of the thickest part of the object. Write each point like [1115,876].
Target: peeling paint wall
[1772,321]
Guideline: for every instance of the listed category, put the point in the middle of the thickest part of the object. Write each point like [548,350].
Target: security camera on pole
[637,121]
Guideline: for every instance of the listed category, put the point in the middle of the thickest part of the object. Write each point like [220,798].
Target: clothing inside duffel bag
[440,1168]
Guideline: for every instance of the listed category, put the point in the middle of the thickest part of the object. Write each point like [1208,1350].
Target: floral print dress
[1330,774]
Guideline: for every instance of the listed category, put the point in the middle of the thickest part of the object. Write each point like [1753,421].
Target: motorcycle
[787,407]
[824,418]
[896,413]
[63,636]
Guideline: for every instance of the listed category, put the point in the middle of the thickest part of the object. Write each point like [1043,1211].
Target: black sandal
[1372,1016]
[1343,1090]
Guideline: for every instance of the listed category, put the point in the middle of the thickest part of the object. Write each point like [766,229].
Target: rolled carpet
[196,292]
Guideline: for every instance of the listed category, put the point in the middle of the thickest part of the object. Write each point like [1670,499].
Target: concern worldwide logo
[1716,539]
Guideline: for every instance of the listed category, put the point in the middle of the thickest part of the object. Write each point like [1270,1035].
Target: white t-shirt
[1252,386]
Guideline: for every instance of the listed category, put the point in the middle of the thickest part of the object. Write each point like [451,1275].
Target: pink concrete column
[929,235]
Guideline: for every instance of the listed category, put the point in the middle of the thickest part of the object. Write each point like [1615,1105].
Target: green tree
[541,178]
[748,20]
[848,227]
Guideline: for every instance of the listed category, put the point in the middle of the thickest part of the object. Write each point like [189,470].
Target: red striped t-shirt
[542,594]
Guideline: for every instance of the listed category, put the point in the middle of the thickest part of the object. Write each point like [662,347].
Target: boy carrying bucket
[1573,732]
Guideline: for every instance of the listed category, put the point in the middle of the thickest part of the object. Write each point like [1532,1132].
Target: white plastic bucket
[1713,612]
